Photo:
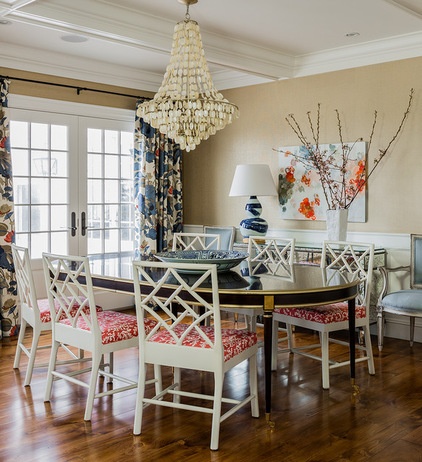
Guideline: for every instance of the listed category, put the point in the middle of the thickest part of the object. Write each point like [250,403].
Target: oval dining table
[304,285]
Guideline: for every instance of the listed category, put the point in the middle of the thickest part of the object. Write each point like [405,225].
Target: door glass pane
[39,218]
[59,191]
[59,242]
[40,190]
[39,136]
[59,218]
[95,216]
[111,216]
[111,191]
[95,191]
[38,242]
[95,166]
[111,141]
[22,223]
[59,163]
[19,134]
[95,241]
[40,163]
[111,243]
[95,143]
[59,137]
[21,189]
[21,162]
[111,169]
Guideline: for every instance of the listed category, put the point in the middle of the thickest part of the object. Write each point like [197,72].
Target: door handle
[84,227]
[73,228]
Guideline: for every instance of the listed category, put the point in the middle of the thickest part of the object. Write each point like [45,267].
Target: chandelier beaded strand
[187,107]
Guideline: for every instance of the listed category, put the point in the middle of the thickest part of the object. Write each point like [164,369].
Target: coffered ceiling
[127,42]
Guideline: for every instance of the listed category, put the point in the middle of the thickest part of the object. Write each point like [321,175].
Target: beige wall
[395,189]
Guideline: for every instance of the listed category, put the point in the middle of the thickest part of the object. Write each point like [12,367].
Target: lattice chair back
[70,290]
[25,282]
[196,241]
[346,262]
[274,256]
[182,328]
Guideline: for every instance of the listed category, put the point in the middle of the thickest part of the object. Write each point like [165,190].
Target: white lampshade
[253,180]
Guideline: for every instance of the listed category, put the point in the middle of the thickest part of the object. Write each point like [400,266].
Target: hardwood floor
[385,423]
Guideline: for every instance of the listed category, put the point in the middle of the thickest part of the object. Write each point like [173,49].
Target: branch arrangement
[339,186]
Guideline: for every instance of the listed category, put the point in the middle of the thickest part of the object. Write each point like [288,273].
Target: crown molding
[43,62]
[381,51]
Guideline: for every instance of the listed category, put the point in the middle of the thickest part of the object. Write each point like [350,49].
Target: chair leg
[177,376]
[412,330]
[380,322]
[290,342]
[33,354]
[251,323]
[253,386]
[51,367]
[325,360]
[18,345]
[158,379]
[216,413]
[96,361]
[140,393]
[111,366]
[368,349]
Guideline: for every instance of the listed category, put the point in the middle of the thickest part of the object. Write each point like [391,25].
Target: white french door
[107,213]
[72,177]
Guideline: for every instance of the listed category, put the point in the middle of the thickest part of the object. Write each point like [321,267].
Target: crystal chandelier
[187,107]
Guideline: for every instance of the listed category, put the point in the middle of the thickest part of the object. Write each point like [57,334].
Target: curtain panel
[9,313]
[158,190]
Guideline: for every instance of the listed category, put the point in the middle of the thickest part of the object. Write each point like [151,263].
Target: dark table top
[290,287]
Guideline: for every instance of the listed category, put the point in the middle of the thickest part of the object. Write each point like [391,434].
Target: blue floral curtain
[9,315]
[158,189]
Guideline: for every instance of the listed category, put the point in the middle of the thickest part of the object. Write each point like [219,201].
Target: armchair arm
[385,271]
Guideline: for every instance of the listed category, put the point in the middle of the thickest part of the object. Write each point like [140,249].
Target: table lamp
[253,180]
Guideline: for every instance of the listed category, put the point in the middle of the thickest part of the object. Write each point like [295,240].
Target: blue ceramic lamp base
[253,225]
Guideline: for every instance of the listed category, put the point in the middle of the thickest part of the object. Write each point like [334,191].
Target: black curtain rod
[74,87]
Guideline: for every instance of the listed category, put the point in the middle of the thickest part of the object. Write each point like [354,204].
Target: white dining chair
[271,257]
[78,324]
[341,262]
[34,313]
[182,341]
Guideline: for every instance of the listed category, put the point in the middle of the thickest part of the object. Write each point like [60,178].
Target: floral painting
[300,191]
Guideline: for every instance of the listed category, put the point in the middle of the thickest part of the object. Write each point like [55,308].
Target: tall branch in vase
[339,191]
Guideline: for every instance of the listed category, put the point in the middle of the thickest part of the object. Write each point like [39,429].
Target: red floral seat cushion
[114,326]
[45,314]
[326,314]
[234,341]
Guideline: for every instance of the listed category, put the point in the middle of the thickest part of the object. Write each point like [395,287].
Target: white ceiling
[246,42]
